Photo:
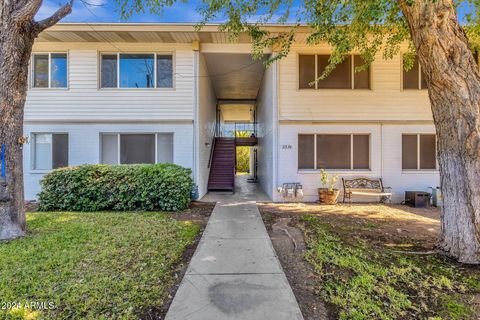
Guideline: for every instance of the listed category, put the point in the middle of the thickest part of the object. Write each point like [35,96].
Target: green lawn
[92,265]
[364,280]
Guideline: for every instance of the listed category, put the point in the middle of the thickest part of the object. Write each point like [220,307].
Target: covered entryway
[235,79]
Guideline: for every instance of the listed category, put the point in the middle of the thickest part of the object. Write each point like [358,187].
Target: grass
[364,281]
[92,265]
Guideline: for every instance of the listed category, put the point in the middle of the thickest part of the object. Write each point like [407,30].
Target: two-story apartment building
[153,93]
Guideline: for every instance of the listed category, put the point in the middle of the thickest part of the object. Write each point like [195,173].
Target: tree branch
[57,16]
[26,10]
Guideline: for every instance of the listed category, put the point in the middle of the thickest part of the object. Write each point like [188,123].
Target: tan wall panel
[385,101]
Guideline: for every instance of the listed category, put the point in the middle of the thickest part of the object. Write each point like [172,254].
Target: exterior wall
[393,174]
[84,145]
[83,110]
[385,158]
[206,125]
[84,101]
[385,101]
[188,110]
[267,124]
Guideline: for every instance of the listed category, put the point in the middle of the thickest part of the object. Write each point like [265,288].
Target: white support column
[196,103]
[276,131]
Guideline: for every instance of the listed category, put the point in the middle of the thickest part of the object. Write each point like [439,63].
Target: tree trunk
[18,31]
[453,83]
[15,49]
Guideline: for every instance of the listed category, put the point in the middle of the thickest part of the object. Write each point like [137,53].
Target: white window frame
[34,146]
[418,153]
[155,55]
[352,72]
[315,168]
[118,134]
[32,71]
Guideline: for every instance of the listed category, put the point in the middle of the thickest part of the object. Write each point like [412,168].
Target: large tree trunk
[15,49]
[453,83]
[18,31]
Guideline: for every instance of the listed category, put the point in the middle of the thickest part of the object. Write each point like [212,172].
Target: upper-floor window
[136,70]
[50,151]
[334,151]
[49,70]
[414,78]
[344,76]
[418,152]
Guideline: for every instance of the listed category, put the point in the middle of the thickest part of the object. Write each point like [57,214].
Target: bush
[118,187]
[243,159]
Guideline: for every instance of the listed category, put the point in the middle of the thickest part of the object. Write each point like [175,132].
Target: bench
[366,187]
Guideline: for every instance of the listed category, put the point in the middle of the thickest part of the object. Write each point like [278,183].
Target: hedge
[144,187]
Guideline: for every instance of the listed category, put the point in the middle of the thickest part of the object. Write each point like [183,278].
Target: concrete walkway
[235,273]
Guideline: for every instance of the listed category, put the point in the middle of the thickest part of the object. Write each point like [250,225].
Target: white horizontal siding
[83,100]
[288,155]
[394,176]
[385,101]
[84,145]
[385,159]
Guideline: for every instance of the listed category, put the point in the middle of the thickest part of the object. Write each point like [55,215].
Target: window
[414,78]
[344,76]
[136,70]
[109,71]
[332,151]
[164,71]
[361,152]
[50,151]
[339,78]
[49,70]
[129,148]
[306,151]
[418,152]
[306,71]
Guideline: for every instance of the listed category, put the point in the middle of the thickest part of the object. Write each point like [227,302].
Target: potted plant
[328,194]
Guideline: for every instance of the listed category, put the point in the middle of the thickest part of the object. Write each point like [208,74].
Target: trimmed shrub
[144,187]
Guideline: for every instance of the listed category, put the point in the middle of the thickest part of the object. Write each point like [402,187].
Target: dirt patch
[384,228]
[388,225]
[290,248]
[198,212]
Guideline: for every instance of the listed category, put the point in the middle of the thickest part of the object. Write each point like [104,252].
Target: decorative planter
[327,196]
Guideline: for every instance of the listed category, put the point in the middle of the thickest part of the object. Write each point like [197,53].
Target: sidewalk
[234,273]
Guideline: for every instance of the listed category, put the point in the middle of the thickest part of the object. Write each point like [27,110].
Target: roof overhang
[152,32]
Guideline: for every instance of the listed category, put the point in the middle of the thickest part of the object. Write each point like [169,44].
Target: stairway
[222,168]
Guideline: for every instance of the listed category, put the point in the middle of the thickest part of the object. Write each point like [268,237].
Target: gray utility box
[417,199]
[437,199]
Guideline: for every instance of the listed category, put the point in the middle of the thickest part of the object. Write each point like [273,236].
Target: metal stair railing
[212,151]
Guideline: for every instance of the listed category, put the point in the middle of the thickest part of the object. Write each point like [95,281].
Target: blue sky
[105,11]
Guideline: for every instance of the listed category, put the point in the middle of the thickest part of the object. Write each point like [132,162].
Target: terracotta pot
[326,196]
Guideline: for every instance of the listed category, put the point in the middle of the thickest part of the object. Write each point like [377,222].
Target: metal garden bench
[366,187]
